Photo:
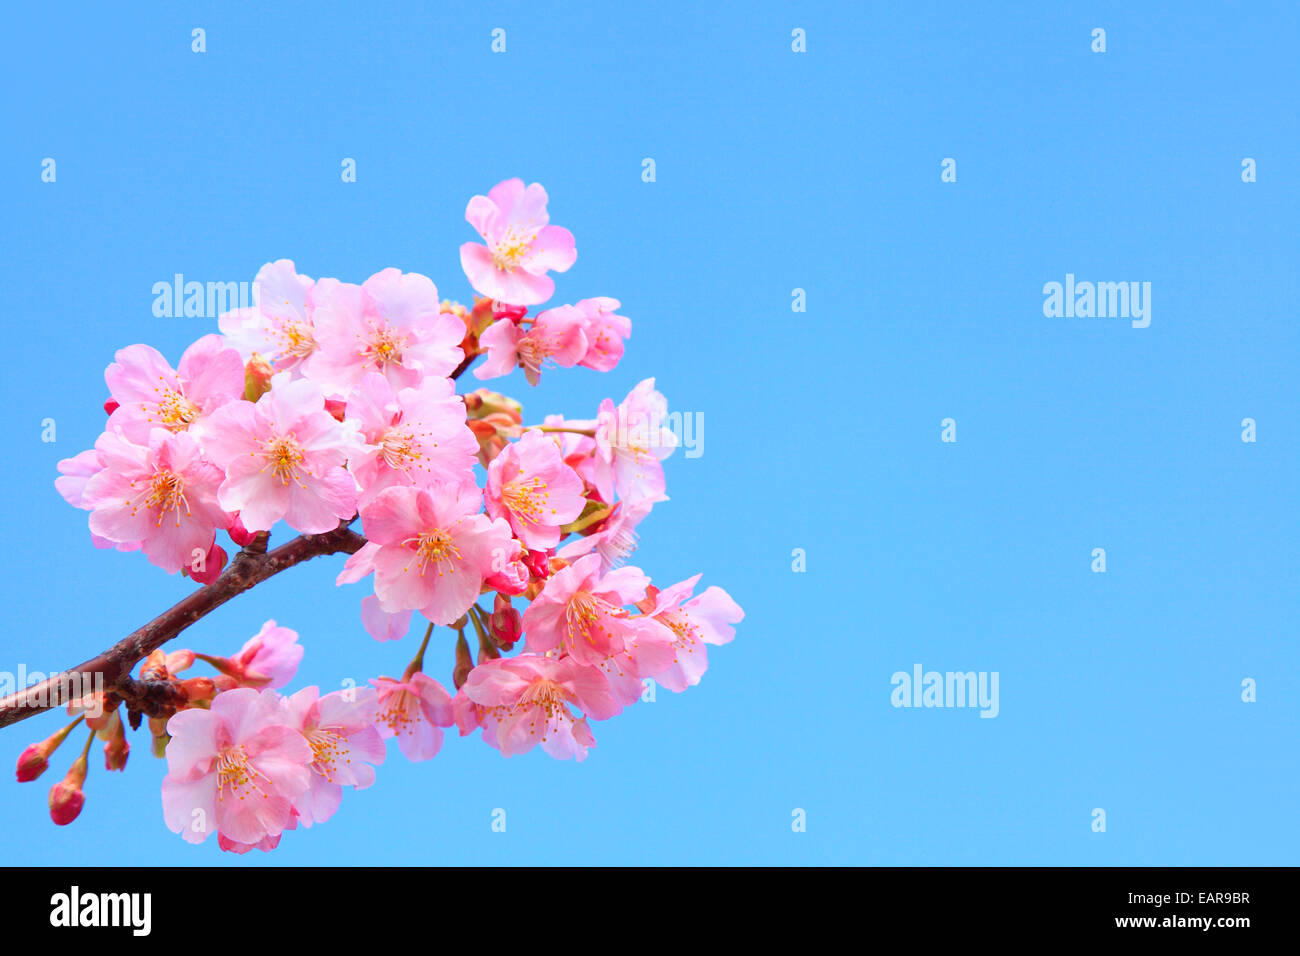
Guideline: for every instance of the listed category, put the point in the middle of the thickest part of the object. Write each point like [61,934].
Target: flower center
[434,547]
[512,248]
[527,498]
[326,748]
[384,348]
[685,631]
[299,340]
[585,614]
[399,448]
[176,412]
[167,493]
[284,455]
[236,773]
[400,712]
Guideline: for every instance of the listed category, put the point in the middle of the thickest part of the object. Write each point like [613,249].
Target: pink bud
[117,750]
[111,406]
[239,534]
[212,565]
[538,563]
[32,762]
[66,797]
[257,377]
[505,623]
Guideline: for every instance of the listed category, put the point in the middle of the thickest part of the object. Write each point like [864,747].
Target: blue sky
[775,170]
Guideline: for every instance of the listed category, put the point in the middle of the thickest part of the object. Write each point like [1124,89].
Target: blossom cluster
[327,402]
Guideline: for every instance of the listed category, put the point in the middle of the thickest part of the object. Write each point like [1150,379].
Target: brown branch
[250,566]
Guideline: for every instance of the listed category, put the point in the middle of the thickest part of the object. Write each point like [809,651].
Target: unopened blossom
[632,439]
[557,336]
[344,745]
[35,759]
[581,611]
[392,324]
[151,394]
[531,487]
[235,768]
[284,457]
[520,245]
[66,797]
[690,623]
[413,710]
[604,330]
[161,496]
[434,549]
[415,436]
[278,327]
[527,700]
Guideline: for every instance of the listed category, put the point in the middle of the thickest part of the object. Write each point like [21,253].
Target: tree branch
[249,567]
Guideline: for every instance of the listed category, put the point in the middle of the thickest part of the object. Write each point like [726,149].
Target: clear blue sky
[775,171]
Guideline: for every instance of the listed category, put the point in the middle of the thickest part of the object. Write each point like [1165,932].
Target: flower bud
[158,728]
[538,563]
[33,761]
[257,377]
[505,624]
[111,406]
[198,688]
[212,565]
[337,408]
[66,797]
[486,402]
[116,749]
[464,663]
[239,534]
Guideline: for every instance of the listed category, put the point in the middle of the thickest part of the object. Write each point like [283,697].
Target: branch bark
[249,567]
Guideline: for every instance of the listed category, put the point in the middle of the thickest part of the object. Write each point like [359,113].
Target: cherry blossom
[284,458]
[531,487]
[520,245]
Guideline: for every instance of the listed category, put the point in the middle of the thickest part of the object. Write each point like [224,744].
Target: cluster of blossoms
[328,402]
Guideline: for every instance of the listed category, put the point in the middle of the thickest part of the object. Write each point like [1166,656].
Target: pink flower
[284,458]
[521,248]
[269,658]
[417,436]
[581,610]
[531,487]
[414,711]
[434,549]
[163,496]
[691,624]
[604,331]
[344,743]
[557,335]
[392,324]
[74,473]
[631,441]
[525,701]
[150,394]
[234,769]
[616,537]
[279,327]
